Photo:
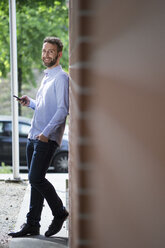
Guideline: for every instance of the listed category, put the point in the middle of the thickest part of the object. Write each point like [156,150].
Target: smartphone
[17,97]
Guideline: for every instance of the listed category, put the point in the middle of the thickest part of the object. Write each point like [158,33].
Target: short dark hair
[54,41]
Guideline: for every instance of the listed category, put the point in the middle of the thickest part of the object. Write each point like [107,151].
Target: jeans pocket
[42,146]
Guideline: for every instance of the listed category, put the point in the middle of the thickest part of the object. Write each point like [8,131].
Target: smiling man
[50,55]
[50,111]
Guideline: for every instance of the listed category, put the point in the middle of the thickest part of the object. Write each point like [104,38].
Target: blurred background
[35,20]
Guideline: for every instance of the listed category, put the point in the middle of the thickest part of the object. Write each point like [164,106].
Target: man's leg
[36,199]
[33,217]
[42,155]
[40,161]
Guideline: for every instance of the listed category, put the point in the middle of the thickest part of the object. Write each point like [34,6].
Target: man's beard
[51,63]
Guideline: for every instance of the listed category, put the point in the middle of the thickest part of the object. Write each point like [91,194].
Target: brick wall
[80,116]
[117,124]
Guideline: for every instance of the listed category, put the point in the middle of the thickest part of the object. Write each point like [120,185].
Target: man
[50,111]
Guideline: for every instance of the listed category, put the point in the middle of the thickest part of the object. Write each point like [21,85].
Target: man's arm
[62,94]
[28,102]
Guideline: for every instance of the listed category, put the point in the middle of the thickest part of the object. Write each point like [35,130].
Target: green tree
[4,40]
[35,21]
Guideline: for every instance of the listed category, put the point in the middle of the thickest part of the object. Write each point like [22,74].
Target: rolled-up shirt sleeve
[62,96]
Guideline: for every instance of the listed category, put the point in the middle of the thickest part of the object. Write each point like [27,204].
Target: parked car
[60,159]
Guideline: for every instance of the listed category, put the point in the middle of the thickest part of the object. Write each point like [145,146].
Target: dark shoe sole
[23,234]
[19,235]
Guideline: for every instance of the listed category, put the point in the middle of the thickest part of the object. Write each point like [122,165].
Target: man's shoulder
[62,75]
[62,72]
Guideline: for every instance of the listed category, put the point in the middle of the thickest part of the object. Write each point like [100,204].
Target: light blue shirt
[51,106]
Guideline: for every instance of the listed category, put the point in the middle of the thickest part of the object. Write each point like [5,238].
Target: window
[1,127]
[7,128]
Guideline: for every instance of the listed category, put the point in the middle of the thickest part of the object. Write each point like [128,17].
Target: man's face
[49,54]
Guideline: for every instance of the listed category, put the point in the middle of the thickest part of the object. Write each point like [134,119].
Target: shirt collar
[52,71]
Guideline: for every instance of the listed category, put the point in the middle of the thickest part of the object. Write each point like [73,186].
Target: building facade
[117,124]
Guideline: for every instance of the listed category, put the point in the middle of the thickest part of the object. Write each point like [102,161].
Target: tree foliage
[36,19]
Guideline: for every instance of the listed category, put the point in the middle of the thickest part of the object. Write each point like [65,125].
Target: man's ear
[60,54]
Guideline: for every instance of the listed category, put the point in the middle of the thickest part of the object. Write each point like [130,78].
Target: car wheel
[60,162]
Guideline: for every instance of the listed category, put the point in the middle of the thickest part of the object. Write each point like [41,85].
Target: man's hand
[42,138]
[25,101]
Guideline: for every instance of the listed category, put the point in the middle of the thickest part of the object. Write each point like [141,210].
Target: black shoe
[56,224]
[26,229]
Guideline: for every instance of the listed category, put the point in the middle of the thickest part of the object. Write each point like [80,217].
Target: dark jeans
[39,155]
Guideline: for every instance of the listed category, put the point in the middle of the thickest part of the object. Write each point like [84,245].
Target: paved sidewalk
[60,240]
